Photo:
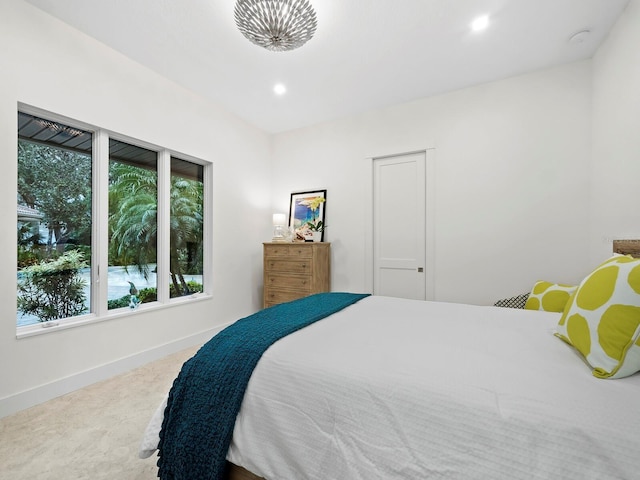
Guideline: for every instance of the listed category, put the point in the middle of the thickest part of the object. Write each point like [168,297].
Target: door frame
[430,211]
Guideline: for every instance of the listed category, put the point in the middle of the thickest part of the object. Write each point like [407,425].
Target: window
[146,236]
[133,225]
[54,220]
[186,253]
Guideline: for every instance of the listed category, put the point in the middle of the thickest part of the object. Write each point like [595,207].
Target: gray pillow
[513,302]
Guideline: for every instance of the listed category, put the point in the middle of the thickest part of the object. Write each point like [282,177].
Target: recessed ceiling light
[279,89]
[480,23]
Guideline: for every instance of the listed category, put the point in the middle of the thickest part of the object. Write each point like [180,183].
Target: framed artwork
[306,215]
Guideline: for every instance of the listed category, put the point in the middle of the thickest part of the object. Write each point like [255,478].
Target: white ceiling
[365,54]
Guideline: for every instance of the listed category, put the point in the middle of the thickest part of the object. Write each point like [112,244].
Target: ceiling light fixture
[279,89]
[480,23]
[277,25]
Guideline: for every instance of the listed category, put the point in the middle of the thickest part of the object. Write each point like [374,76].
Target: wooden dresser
[295,270]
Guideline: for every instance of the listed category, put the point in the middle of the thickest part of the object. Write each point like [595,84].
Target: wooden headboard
[627,247]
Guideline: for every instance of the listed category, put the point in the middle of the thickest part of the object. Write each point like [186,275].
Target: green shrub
[150,294]
[194,287]
[145,295]
[53,289]
[118,302]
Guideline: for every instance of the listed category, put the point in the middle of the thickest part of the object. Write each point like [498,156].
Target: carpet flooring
[93,433]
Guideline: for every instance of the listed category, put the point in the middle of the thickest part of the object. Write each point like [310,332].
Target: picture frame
[307,215]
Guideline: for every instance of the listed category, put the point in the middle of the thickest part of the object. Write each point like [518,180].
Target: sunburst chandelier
[277,25]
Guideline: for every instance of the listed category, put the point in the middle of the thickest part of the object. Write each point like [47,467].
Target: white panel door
[399,235]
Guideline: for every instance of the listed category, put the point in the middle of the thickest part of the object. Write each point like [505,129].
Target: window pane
[54,220]
[133,226]
[186,228]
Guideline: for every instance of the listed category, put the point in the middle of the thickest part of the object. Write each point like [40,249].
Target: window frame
[100,232]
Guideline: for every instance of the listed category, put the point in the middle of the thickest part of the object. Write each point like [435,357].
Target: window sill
[57,325]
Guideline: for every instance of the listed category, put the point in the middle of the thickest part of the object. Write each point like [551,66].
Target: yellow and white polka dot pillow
[602,318]
[550,297]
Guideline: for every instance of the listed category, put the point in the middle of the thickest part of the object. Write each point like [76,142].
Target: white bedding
[402,389]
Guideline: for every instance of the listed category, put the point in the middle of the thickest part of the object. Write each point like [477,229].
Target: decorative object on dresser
[279,222]
[306,215]
[295,270]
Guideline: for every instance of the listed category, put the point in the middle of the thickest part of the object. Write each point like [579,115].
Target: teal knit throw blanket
[206,396]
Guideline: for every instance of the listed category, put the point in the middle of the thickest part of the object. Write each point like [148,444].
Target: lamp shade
[279,219]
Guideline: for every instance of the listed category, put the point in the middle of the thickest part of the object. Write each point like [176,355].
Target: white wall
[615,185]
[49,65]
[511,180]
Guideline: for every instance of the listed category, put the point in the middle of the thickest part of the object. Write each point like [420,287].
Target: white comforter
[401,389]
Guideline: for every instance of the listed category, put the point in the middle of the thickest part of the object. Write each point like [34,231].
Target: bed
[401,389]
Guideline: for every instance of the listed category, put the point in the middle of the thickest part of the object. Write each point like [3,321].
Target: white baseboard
[49,391]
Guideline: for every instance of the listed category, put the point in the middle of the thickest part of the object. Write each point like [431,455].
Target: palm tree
[133,225]
[185,230]
[133,222]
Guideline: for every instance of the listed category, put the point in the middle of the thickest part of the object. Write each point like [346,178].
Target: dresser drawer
[302,267]
[294,270]
[300,283]
[273,297]
[289,251]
